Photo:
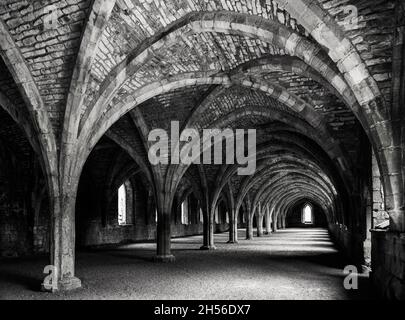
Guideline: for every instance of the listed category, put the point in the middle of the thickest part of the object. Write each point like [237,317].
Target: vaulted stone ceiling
[142,43]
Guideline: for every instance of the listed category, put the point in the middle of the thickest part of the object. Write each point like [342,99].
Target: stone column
[273,223]
[283,222]
[233,228]
[395,177]
[268,221]
[208,232]
[63,245]
[279,226]
[163,253]
[259,224]
[249,226]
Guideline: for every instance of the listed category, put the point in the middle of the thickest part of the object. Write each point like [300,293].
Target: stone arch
[263,172]
[296,179]
[378,132]
[270,192]
[284,207]
[384,138]
[20,119]
[41,126]
[307,206]
[96,22]
[271,151]
[331,147]
[287,197]
[62,222]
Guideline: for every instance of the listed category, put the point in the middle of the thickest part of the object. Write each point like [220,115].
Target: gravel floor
[290,264]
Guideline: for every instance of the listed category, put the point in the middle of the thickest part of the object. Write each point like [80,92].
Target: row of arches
[302,214]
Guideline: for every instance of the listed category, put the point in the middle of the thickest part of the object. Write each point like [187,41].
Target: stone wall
[388,263]
[24,227]
[94,234]
[24,220]
[350,244]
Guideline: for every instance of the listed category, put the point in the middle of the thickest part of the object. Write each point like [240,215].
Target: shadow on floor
[281,264]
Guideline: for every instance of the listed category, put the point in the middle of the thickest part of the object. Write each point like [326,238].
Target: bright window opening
[126,208]
[307,214]
[184,212]
[201,216]
[122,205]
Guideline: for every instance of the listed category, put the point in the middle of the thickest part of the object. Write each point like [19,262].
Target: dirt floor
[289,264]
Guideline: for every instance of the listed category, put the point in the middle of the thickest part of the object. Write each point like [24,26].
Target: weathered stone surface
[388,264]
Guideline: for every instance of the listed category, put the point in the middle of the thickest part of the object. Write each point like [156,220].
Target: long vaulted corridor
[202,148]
[292,264]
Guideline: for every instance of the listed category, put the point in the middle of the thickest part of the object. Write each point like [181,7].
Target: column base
[165,258]
[71,283]
[249,238]
[208,248]
[65,284]
[233,241]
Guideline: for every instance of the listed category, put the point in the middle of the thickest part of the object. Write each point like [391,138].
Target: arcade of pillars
[321,81]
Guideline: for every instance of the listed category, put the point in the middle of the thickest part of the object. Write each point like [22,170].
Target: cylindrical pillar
[249,227]
[233,228]
[268,221]
[259,225]
[208,232]
[164,237]
[62,247]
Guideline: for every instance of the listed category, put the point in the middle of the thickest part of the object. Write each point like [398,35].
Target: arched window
[307,215]
[125,204]
[201,215]
[184,212]
[122,205]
